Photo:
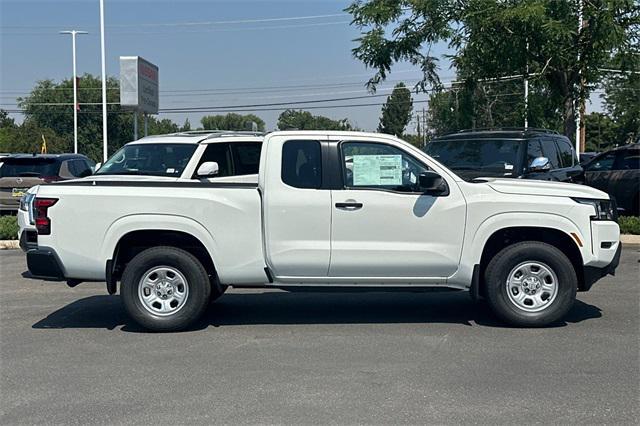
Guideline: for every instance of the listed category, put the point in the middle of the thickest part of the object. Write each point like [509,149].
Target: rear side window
[29,167]
[80,168]
[220,153]
[246,158]
[566,153]
[628,160]
[302,164]
[603,163]
[551,152]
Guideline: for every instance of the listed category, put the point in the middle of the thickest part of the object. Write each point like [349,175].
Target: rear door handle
[350,205]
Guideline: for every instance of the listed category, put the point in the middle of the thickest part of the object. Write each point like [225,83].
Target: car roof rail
[231,133]
[507,129]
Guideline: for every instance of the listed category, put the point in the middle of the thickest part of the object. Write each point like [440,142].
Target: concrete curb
[625,238]
[630,239]
[9,244]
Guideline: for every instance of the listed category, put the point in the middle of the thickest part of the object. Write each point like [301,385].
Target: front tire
[165,289]
[530,284]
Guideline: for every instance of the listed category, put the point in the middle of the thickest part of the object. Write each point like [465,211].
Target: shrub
[629,225]
[8,228]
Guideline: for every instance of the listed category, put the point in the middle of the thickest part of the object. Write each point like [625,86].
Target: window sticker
[377,170]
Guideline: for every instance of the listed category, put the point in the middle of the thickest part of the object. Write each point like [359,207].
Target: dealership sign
[139,84]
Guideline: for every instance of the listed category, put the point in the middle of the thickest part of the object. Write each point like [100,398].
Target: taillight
[43,223]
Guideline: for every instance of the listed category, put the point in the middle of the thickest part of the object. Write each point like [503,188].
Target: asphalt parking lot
[72,356]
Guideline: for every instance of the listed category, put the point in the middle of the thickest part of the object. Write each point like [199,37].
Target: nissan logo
[19,180]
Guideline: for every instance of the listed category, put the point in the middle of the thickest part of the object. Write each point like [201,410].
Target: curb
[630,239]
[9,244]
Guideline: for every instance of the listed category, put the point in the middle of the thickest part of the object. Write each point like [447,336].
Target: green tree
[5,120]
[622,102]
[493,38]
[396,111]
[601,132]
[27,138]
[231,121]
[304,120]
[186,126]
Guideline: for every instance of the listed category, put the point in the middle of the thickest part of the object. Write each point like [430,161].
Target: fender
[140,222]
[474,245]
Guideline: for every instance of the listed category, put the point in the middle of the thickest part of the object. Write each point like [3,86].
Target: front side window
[551,152]
[220,153]
[162,159]
[628,160]
[302,164]
[534,150]
[379,166]
[602,163]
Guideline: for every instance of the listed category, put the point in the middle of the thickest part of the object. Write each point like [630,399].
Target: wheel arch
[130,235]
[508,236]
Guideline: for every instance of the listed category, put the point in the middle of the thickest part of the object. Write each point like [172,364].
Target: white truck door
[383,226]
[297,212]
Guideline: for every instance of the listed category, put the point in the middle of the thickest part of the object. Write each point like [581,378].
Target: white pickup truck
[329,210]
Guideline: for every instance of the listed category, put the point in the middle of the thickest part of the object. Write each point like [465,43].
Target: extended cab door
[383,226]
[297,210]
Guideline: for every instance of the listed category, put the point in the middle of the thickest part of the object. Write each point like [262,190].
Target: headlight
[604,209]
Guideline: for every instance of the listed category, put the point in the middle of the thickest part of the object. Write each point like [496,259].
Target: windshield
[478,157]
[35,167]
[149,159]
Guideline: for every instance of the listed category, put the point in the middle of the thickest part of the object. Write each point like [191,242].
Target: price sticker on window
[377,170]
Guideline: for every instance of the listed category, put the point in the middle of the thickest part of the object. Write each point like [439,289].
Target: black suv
[508,153]
[617,172]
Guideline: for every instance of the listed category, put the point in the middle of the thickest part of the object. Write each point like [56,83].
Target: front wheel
[530,284]
[165,289]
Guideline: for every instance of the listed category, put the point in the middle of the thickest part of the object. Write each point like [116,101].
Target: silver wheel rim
[163,290]
[532,286]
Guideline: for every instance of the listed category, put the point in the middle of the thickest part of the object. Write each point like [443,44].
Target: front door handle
[349,205]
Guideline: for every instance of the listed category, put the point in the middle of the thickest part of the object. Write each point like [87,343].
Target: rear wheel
[165,289]
[530,284]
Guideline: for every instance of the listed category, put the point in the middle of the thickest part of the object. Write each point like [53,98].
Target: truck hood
[546,188]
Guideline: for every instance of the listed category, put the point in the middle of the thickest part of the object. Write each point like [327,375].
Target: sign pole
[135,125]
[104,85]
[146,124]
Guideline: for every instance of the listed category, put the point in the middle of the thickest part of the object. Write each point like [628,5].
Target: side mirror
[96,167]
[208,168]
[431,182]
[540,164]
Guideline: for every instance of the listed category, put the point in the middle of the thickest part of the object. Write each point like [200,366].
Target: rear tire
[530,284]
[165,289]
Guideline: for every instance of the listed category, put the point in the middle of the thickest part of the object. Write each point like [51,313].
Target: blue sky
[199,45]
[193,52]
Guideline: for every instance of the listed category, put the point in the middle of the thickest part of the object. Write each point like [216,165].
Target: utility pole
[526,91]
[424,127]
[104,85]
[75,87]
[580,137]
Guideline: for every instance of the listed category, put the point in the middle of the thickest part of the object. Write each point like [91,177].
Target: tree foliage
[231,121]
[304,120]
[396,111]
[622,102]
[493,38]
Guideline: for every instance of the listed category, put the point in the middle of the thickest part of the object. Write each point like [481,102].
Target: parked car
[531,154]
[397,221]
[19,172]
[617,172]
[178,155]
[585,157]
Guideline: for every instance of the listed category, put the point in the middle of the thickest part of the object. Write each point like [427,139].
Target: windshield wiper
[125,172]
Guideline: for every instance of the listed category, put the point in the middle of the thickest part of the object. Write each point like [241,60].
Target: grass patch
[629,225]
[8,228]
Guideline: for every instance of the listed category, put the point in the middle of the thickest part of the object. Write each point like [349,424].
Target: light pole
[75,87]
[104,85]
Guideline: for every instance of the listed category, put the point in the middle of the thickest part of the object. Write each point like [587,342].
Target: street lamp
[75,87]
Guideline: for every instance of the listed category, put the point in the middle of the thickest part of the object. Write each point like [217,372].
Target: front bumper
[594,273]
[44,264]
